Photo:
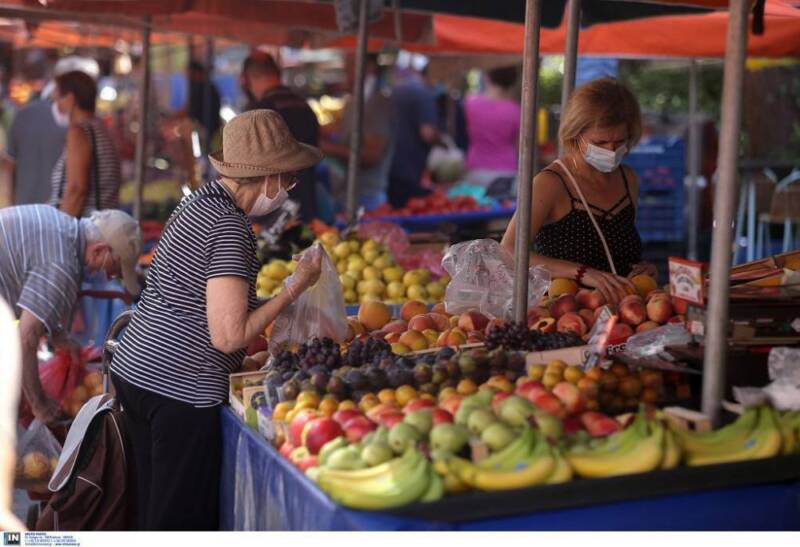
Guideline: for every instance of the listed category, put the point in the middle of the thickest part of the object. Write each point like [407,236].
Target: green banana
[507,458]
[672,452]
[562,471]
[764,441]
[536,469]
[721,441]
[639,452]
[435,489]
[789,423]
[402,481]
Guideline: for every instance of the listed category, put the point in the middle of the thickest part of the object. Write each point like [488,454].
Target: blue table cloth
[418,223]
[262,491]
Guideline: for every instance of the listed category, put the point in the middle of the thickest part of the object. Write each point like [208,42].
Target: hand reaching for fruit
[613,287]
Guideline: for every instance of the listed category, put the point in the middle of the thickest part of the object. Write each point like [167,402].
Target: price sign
[599,337]
[686,280]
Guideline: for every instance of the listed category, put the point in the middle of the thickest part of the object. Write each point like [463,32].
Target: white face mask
[62,120]
[264,205]
[604,160]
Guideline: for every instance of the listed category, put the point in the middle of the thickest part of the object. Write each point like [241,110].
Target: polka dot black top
[574,238]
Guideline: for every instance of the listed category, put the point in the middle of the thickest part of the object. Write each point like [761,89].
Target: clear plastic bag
[37,455]
[318,312]
[784,391]
[654,341]
[482,278]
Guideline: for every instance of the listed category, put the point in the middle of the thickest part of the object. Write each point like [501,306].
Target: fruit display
[419,450]
[518,336]
[35,466]
[367,271]
[437,203]
[91,385]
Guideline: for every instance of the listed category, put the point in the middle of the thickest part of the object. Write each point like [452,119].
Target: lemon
[417,292]
[329,239]
[348,281]
[384,261]
[393,273]
[341,267]
[370,256]
[374,287]
[371,272]
[395,290]
[276,270]
[355,246]
[435,289]
[356,264]
[350,296]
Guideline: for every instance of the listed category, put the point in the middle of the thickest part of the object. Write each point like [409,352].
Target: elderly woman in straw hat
[197,313]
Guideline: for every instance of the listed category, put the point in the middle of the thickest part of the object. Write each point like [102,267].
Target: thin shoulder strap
[564,183]
[625,180]
[591,216]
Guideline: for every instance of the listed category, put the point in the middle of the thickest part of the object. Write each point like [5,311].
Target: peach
[659,310]
[374,315]
[571,322]
[646,326]
[494,323]
[620,333]
[548,324]
[393,337]
[441,309]
[473,320]
[587,316]
[550,404]
[412,308]
[421,323]
[535,314]
[679,305]
[570,396]
[632,310]
[414,340]
[442,321]
[398,325]
[591,300]
[658,293]
[563,304]
[451,338]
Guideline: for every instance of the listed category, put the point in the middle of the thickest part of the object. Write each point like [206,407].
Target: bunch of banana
[754,435]
[637,449]
[789,423]
[529,463]
[396,482]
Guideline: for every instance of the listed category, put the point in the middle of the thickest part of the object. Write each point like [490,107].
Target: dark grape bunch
[324,352]
[517,336]
[371,351]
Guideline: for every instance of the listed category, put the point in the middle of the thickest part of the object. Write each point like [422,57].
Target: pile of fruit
[367,271]
[389,456]
[91,385]
[569,308]
[434,204]
[35,466]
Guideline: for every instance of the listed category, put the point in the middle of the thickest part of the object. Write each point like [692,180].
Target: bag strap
[591,215]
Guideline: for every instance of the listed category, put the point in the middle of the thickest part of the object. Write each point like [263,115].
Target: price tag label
[599,338]
[686,280]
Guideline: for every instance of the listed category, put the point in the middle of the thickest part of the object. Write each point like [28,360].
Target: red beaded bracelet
[582,269]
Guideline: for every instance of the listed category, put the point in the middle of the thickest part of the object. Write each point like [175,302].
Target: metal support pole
[144,115]
[694,163]
[209,84]
[716,339]
[527,157]
[358,112]
[570,57]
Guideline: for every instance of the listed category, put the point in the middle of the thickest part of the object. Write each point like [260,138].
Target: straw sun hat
[258,143]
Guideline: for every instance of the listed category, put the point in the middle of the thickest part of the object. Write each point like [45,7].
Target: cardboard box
[574,356]
[243,387]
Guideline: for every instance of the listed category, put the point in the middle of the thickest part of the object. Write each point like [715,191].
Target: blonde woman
[584,204]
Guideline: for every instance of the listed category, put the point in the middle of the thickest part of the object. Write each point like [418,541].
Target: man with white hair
[43,256]
[35,142]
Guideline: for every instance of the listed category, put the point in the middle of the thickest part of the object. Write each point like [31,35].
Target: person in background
[10,366]
[45,255]
[416,131]
[493,129]
[198,85]
[261,80]
[601,123]
[87,176]
[377,144]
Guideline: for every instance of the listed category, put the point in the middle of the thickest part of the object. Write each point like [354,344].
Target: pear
[402,436]
[449,438]
[479,420]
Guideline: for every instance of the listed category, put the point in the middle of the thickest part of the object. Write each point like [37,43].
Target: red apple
[598,424]
[343,416]
[571,397]
[550,404]
[389,419]
[307,463]
[318,432]
[498,398]
[451,404]
[358,427]
[417,404]
[299,423]
[441,416]
[530,389]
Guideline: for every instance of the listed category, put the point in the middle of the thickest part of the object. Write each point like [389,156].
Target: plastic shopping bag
[318,312]
[482,278]
[37,455]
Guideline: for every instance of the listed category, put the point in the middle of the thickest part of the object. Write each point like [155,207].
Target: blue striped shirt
[167,347]
[41,262]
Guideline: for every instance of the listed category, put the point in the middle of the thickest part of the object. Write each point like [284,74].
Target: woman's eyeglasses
[289,181]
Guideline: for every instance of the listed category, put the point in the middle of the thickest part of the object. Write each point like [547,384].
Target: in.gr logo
[12,538]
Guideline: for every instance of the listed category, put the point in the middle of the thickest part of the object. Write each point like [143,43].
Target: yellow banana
[453,485]
[763,442]
[672,452]
[506,459]
[435,489]
[535,470]
[789,423]
[638,454]
[368,473]
[562,471]
[721,441]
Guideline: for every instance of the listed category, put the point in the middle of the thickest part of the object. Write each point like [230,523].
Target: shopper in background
[261,80]
[87,176]
[199,85]
[10,367]
[587,185]
[493,129]
[197,313]
[35,143]
[43,258]
[416,131]
[377,143]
